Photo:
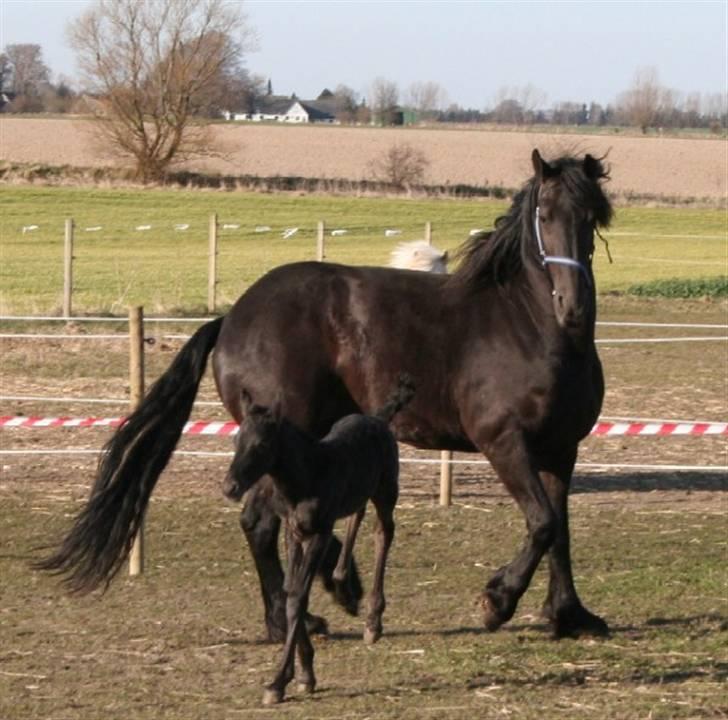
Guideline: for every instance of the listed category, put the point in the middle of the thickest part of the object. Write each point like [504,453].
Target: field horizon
[679,168]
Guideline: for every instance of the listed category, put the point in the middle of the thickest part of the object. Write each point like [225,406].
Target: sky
[580,51]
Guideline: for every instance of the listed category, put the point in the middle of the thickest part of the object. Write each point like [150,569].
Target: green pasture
[165,269]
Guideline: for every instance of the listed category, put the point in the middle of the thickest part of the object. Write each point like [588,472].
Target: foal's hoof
[576,622]
[272,696]
[306,688]
[372,635]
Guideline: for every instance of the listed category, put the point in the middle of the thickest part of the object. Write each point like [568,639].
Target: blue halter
[556,259]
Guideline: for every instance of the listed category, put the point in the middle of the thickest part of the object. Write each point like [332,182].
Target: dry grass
[670,167]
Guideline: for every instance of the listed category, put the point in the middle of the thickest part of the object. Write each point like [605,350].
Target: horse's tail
[398,399]
[132,461]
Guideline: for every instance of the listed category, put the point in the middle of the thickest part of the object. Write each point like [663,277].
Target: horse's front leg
[512,461]
[563,608]
[304,560]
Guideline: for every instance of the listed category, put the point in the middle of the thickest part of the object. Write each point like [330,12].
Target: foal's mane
[493,257]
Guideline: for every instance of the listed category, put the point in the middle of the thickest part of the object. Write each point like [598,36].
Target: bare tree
[517,105]
[383,100]
[347,103]
[152,66]
[426,97]
[402,165]
[640,104]
[28,71]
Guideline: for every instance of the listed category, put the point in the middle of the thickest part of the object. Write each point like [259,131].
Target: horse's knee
[543,533]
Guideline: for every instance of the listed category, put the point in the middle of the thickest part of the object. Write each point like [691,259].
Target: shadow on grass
[649,481]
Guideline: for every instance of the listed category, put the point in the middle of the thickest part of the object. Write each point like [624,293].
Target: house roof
[322,109]
[273,105]
[319,109]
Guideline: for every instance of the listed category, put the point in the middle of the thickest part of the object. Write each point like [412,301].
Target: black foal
[321,481]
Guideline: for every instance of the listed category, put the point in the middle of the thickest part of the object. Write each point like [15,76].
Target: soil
[670,167]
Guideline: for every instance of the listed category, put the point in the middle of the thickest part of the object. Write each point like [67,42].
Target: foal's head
[256,448]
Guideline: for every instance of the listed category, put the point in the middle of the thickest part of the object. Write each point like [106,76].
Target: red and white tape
[208,427]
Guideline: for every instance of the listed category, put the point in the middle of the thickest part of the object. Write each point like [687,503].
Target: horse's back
[325,340]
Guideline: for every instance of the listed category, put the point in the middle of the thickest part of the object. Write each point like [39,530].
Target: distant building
[279,108]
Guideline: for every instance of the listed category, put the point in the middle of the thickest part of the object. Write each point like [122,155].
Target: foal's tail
[132,461]
[398,399]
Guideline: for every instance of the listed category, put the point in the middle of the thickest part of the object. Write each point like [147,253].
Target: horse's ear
[445,256]
[592,167]
[542,169]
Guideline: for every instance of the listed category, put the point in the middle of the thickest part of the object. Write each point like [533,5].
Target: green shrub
[714,287]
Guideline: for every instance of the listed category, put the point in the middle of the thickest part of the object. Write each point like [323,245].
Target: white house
[278,108]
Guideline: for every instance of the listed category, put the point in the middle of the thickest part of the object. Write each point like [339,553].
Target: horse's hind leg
[563,608]
[510,458]
[261,525]
[383,537]
[343,570]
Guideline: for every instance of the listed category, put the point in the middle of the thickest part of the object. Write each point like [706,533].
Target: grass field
[179,642]
[166,269]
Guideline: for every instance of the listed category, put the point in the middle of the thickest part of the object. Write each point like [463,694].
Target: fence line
[403,461]
[152,319]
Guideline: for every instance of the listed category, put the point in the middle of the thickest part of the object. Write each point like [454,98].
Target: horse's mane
[493,257]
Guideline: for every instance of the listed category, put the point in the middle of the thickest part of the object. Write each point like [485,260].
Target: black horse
[502,354]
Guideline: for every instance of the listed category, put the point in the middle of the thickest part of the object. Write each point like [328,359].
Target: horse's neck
[296,466]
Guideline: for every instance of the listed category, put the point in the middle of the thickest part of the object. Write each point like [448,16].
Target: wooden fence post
[445,478]
[136,395]
[68,268]
[320,249]
[428,232]
[212,265]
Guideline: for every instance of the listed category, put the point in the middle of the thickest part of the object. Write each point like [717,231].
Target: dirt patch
[657,166]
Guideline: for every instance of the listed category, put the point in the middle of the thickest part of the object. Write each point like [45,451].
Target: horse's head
[568,205]
[256,448]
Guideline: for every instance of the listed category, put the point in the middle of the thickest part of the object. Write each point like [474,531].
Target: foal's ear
[542,169]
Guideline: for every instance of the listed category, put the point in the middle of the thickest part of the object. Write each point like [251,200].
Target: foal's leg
[563,608]
[383,537]
[511,459]
[342,571]
[304,563]
[260,524]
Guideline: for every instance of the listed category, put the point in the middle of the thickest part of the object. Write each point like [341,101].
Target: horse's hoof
[272,696]
[492,619]
[306,687]
[371,636]
[316,625]
[275,635]
[578,622]
[345,598]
